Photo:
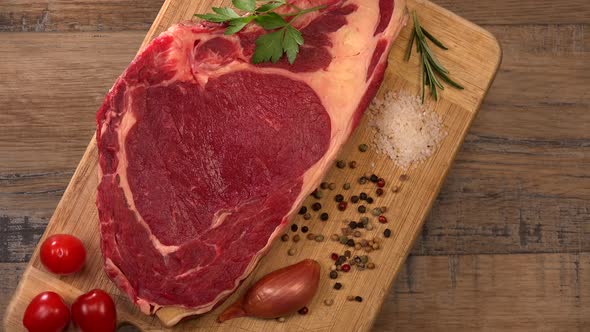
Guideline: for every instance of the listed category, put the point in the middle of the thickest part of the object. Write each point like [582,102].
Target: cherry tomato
[63,254]
[95,311]
[47,312]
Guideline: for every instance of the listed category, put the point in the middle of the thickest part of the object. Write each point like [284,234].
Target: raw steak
[205,157]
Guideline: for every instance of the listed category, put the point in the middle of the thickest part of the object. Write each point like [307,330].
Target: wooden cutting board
[473,60]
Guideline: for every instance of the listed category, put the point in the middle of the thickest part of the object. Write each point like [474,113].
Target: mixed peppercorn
[355,235]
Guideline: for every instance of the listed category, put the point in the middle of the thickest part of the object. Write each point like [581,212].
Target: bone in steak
[205,157]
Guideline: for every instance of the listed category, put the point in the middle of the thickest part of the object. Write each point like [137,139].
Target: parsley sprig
[431,67]
[282,37]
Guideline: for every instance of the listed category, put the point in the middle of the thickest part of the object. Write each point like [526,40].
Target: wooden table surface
[507,244]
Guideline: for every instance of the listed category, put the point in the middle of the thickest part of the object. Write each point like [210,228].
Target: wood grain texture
[113,15]
[76,212]
[523,122]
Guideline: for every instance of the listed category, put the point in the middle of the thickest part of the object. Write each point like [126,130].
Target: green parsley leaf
[270,6]
[291,43]
[245,5]
[269,47]
[212,17]
[237,24]
[226,12]
[270,21]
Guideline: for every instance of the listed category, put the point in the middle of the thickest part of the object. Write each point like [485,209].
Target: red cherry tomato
[63,254]
[95,312]
[47,312]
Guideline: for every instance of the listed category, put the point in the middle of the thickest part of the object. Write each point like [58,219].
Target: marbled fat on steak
[205,157]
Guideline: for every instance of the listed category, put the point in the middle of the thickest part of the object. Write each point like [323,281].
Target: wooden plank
[545,292]
[11,273]
[76,212]
[84,15]
[513,12]
[112,15]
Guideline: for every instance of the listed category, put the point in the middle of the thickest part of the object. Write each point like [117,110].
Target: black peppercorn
[362,209]
[337,285]
[354,199]
[340,260]
[370,200]
[333,274]
[324,216]
[387,232]
[304,229]
[374,178]
[362,180]
[358,299]
[350,243]
[379,191]
[339,198]
[316,206]
[340,164]
[352,224]
[294,227]
[303,210]
[363,196]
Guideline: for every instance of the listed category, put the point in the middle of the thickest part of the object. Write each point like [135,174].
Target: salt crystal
[404,129]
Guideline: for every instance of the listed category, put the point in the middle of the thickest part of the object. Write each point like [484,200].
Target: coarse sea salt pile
[405,129]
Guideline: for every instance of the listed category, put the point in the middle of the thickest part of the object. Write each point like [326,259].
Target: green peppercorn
[324,185]
[343,239]
[362,180]
[307,216]
[346,186]
[332,186]
[319,238]
[340,164]
[318,194]
[376,212]
[363,147]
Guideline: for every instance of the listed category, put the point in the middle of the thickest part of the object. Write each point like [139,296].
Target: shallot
[279,293]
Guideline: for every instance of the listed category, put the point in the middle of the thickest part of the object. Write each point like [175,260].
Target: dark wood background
[507,245]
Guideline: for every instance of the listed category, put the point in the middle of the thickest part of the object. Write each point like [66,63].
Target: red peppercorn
[381,183]
[334,256]
[379,191]
[382,219]
[303,311]
[342,206]
[345,267]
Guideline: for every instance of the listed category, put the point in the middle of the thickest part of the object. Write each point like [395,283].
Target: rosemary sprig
[432,70]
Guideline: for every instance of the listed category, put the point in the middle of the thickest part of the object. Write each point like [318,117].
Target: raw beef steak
[205,157]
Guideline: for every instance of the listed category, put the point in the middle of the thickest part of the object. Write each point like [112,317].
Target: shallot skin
[278,293]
